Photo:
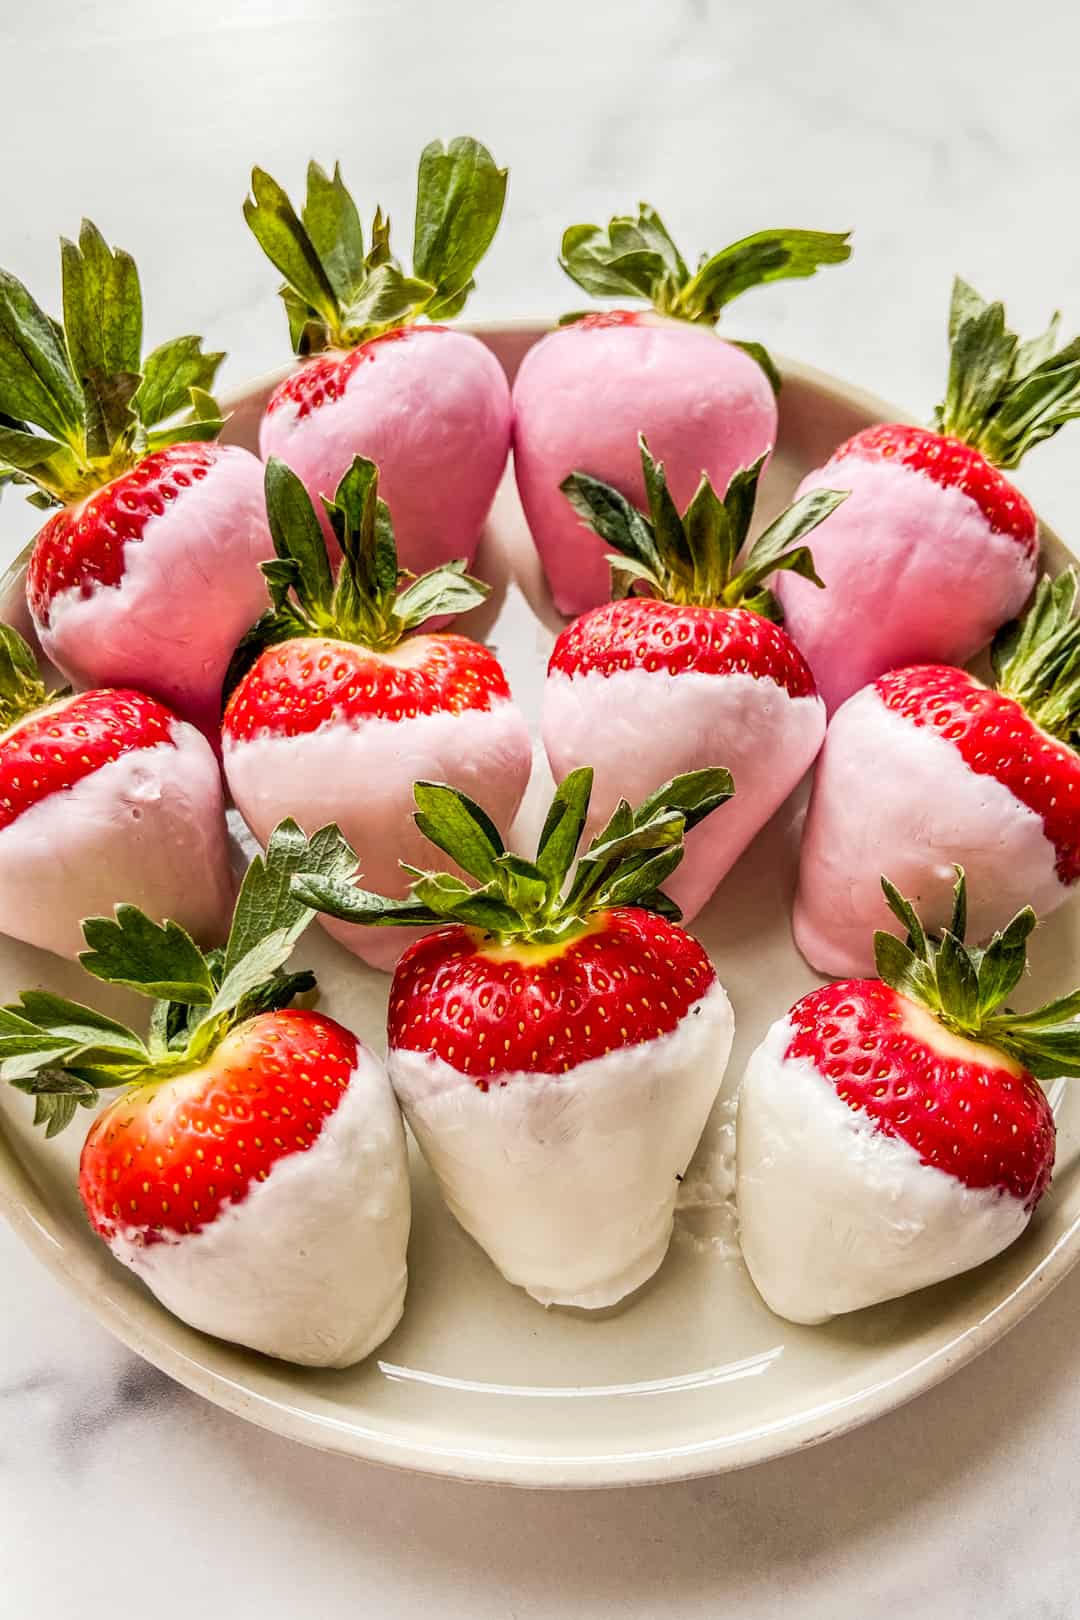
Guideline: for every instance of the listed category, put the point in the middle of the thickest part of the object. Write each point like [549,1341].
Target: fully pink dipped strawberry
[147,574]
[650,686]
[936,547]
[558,1042]
[103,797]
[892,1131]
[585,392]
[380,374]
[927,769]
[252,1170]
[338,708]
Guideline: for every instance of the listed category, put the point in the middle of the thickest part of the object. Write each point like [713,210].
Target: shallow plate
[694,1375]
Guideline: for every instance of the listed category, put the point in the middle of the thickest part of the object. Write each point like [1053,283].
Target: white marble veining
[947,138]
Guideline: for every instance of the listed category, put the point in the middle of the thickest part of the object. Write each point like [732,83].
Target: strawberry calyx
[548,900]
[339,293]
[64,1054]
[700,557]
[372,601]
[965,987]
[1036,659]
[638,258]
[22,690]
[79,404]
[1004,394]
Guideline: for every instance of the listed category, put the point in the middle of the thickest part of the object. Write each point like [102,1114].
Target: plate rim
[146,1328]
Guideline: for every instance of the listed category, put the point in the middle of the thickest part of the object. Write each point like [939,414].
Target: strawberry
[429,404]
[927,768]
[892,1131]
[558,1042]
[653,685]
[936,547]
[584,393]
[151,511]
[252,1170]
[336,709]
[102,796]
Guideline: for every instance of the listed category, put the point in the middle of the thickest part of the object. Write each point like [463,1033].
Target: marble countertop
[947,142]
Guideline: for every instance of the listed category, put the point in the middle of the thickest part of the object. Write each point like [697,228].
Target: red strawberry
[557,1045]
[430,405]
[103,796]
[151,514]
[584,393]
[927,769]
[659,684]
[892,1131]
[936,547]
[337,721]
[252,1172]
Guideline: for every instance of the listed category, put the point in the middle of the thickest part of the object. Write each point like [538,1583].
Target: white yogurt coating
[581,398]
[310,1266]
[361,775]
[896,798]
[147,828]
[833,1213]
[569,1181]
[432,410]
[639,728]
[190,589]
[914,574]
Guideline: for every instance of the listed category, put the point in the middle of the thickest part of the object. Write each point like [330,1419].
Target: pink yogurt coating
[914,574]
[582,396]
[190,588]
[431,407]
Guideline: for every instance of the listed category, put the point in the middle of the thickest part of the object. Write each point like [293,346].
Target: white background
[948,141]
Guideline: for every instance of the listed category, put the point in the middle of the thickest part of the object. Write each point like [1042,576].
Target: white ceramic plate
[694,1375]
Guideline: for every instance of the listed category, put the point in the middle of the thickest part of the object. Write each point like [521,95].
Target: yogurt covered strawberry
[147,574]
[936,548]
[381,375]
[585,393]
[104,797]
[339,708]
[892,1131]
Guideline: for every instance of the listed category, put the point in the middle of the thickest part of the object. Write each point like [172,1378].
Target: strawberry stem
[699,557]
[1004,395]
[531,900]
[965,987]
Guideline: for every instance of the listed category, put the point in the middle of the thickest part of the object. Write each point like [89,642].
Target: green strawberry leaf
[159,960]
[21,688]
[36,381]
[171,375]
[69,1021]
[619,524]
[694,795]
[444,590]
[102,306]
[281,234]
[456,825]
[332,223]
[764,359]
[563,827]
[298,539]
[779,547]
[267,906]
[460,193]
[753,261]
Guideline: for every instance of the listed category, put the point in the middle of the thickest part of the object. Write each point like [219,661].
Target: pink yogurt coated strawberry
[927,769]
[936,547]
[585,393]
[429,405]
[691,669]
[148,573]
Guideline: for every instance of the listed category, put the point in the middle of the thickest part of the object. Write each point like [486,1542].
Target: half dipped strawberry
[937,547]
[557,1044]
[584,393]
[338,707]
[380,373]
[252,1169]
[146,576]
[927,769]
[693,669]
[104,796]
[892,1132]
